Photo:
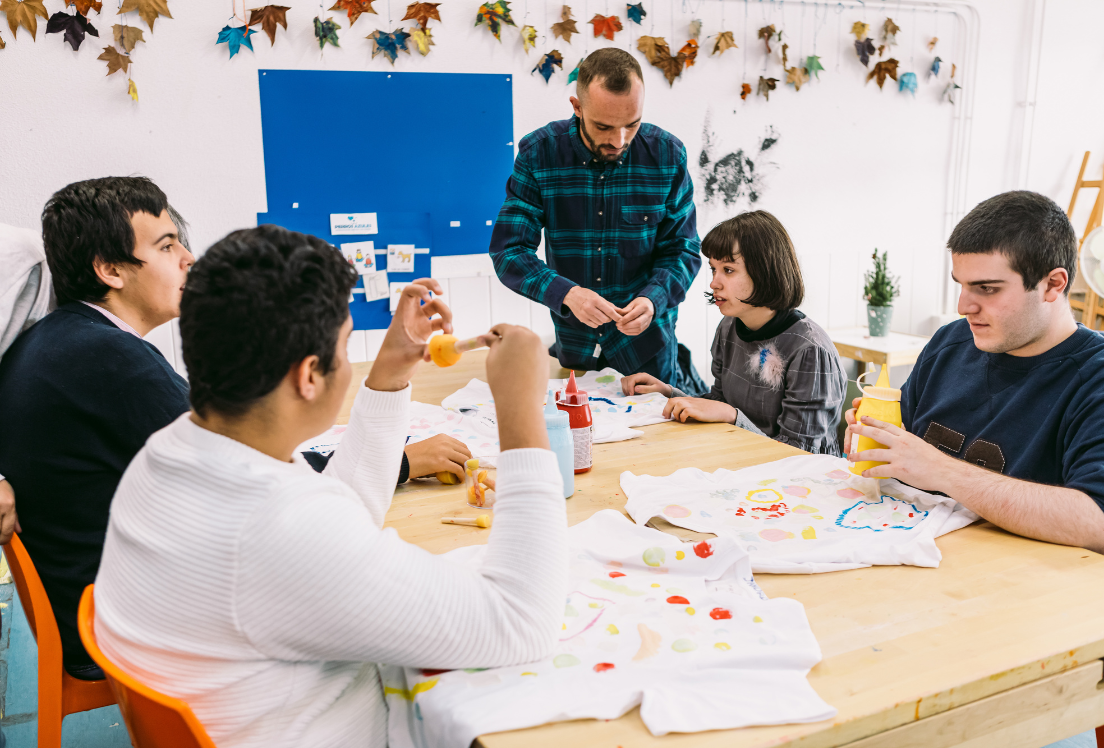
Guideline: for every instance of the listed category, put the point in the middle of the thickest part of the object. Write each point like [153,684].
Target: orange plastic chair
[153,719]
[59,693]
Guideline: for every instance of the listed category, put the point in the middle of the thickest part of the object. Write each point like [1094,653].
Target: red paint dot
[429,673]
[602,667]
[885,525]
[678,600]
[615,574]
[718,613]
[703,549]
[910,514]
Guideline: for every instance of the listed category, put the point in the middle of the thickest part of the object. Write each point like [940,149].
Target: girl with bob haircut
[775,371]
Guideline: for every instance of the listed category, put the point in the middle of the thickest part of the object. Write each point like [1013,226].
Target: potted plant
[880,290]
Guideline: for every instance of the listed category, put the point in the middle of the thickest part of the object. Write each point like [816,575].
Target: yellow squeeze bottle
[882,402]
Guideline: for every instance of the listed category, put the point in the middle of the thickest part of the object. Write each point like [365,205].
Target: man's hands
[707,411]
[642,384]
[590,308]
[437,454]
[405,343]
[517,372]
[636,316]
[9,521]
[908,458]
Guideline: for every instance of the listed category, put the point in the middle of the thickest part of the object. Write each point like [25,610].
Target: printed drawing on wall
[736,178]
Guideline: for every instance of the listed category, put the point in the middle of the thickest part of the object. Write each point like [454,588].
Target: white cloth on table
[680,629]
[802,515]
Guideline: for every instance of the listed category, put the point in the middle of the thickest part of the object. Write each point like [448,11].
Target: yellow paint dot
[690,611]
[528,673]
[612,629]
[596,605]
[722,646]
[809,533]
[680,555]
[757,619]
[817,516]
[564,626]
[654,584]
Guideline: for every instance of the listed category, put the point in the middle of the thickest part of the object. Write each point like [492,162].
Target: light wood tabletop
[1000,646]
[895,349]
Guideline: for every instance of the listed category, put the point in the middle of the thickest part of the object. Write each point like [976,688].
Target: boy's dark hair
[612,66]
[88,220]
[768,254]
[1029,229]
[258,302]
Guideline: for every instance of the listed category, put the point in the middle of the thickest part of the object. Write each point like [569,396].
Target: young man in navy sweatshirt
[1004,410]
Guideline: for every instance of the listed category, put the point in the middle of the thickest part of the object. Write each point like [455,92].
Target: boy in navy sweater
[1004,410]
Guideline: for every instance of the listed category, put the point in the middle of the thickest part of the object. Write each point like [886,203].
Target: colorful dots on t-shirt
[703,549]
[602,667]
[615,574]
[655,557]
[676,511]
[565,660]
[774,535]
[723,646]
[679,555]
[718,614]
[684,645]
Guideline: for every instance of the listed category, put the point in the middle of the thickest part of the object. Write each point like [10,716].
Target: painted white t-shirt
[679,629]
[803,514]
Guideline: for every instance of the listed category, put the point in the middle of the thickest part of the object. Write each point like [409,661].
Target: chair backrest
[36,605]
[153,719]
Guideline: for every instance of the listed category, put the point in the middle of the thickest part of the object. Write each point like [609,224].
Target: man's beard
[594,147]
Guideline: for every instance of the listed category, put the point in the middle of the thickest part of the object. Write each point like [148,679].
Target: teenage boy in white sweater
[262,593]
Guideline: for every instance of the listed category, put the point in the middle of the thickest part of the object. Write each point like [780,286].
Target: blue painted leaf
[935,66]
[389,45]
[907,83]
[235,37]
[547,64]
[636,13]
[574,74]
[326,32]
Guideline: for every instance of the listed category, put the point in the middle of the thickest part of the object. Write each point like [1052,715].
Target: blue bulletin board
[428,153]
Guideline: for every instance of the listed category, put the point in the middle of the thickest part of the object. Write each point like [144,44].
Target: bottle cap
[554,418]
[572,394]
[881,390]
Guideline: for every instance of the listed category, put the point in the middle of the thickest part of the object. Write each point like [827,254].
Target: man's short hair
[768,254]
[1028,228]
[90,220]
[613,68]
[258,302]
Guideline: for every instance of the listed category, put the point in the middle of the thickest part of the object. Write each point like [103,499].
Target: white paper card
[353,223]
[361,255]
[396,292]
[400,258]
[375,286]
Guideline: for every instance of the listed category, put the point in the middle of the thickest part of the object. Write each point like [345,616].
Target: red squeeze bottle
[576,404]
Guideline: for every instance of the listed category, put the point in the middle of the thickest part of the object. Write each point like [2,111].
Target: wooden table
[895,349]
[1001,646]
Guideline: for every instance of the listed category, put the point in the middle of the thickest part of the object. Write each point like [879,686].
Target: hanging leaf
[605,26]
[234,37]
[745,90]
[495,15]
[797,76]
[115,61]
[653,47]
[949,91]
[127,37]
[813,66]
[882,70]
[83,6]
[889,32]
[864,49]
[765,34]
[574,74]
[932,43]
[389,45]
[548,63]
[2,43]
[528,38]
[695,29]
[354,9]
[860,30]
[766,85]
[422,39]
[881,49]
[907,83]
[636,13]
[268,18]
[148,10]
[74,27]
[671,67]
[326,32]
[934,70]
[723,41]
[132,90]
[689,53]
[422,13]
[785,57]
[23,13]
[566,27]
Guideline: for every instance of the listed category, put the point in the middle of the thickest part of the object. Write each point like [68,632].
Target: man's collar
[586,156]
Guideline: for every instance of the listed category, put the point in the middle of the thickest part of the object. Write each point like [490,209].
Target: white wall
[855,167]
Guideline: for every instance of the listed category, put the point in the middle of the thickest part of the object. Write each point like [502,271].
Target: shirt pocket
[638,228]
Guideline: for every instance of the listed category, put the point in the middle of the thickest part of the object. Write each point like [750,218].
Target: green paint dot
[565,660]
[570,611]
[684,645]
[604,380]
[655,556]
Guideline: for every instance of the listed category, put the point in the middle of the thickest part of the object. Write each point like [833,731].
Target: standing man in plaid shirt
[615,200]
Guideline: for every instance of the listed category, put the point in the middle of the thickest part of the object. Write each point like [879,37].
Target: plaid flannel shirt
[623,229]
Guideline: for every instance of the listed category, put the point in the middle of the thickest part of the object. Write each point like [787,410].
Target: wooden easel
[1087,302]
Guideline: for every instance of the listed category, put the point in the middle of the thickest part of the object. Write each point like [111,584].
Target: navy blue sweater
[1037,418]
[78,399]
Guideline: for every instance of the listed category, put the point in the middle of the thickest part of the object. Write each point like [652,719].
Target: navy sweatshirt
[1037,418]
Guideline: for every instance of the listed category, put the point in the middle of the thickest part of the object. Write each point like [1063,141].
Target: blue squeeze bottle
[561,443]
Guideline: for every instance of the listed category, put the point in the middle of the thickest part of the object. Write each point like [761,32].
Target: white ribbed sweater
[263,593]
